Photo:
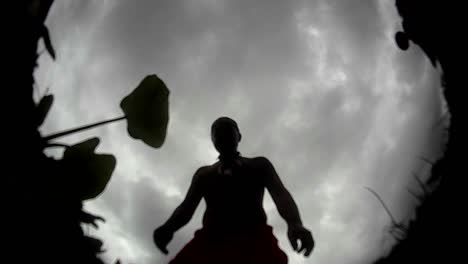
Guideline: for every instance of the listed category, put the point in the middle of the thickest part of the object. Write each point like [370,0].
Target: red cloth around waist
[255,246]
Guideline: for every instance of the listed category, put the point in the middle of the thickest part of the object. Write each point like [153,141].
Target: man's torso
[234,201]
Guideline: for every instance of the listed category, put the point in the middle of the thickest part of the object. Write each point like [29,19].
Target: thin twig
[413,194]
[421,183]
[427,160]
[383,204]
[54,145]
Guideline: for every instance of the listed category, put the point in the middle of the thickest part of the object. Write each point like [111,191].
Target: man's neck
[228,161]
[228,156]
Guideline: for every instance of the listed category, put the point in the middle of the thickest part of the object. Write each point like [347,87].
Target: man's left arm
[287,209]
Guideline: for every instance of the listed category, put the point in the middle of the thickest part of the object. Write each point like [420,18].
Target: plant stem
[79,129]
[55,145]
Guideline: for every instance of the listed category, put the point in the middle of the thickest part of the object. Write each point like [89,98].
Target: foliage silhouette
[45,195]
[433,235]
[43,108]
[88,172]
[147,111]
[147,115]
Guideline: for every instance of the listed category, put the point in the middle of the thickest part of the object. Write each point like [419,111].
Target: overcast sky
[318,87]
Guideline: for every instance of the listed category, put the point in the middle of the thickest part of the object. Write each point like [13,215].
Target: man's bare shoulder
[257,162]
[257,159]
[203,171]
[200,175]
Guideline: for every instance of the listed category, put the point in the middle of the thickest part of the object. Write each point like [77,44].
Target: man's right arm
[182,214]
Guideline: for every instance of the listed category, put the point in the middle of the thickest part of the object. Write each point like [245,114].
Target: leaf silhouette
[86,172]
[90,219]
[43,108]
[48,44]
[147,111]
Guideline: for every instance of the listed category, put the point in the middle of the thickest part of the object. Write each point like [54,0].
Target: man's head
[225,135]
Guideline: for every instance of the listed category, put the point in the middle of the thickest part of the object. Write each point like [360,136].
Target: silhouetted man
[235,226]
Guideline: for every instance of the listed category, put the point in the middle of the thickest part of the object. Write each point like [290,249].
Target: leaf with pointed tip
[43,108]
[47,43]
[88,218]
[86,173]
[147,111]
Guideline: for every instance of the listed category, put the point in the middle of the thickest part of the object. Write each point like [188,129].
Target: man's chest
[238,183]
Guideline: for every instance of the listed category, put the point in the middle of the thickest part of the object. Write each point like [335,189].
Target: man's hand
[162,237]
[298,232]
